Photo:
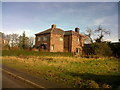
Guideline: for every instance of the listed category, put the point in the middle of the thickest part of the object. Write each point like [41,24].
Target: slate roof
[59,31]
[70,32]
[51,30]
[44,32]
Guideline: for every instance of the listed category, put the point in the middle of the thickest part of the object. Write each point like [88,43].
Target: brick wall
[56,43]
[75,43]
[47,42]
[67,43]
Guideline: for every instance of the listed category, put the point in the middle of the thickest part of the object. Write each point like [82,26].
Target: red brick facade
[58,40]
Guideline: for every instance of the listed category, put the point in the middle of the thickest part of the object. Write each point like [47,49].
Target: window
[61,39]
[77,50]
[39,38]
[45,38]
[4,41]
[78,39]
[52,47]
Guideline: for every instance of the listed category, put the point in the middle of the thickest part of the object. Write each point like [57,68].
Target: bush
[88,49]
[99,49]
[106,86]
[115,47]
[102,49]
[89,84]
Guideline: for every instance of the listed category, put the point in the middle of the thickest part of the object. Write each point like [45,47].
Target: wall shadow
[112,80]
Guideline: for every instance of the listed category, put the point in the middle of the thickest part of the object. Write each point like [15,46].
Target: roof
[70,32]
[51,30]
[44,32]
[55,30]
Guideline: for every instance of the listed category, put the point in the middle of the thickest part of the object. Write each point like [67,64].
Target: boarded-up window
[52,48]
[45,38]
[39,38]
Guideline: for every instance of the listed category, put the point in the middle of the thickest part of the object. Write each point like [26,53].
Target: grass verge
[72,71]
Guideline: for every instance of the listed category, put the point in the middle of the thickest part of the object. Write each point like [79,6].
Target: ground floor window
[77,50]
[52,47]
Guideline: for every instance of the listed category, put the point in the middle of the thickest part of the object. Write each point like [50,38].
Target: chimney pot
[77,29]
[53,26]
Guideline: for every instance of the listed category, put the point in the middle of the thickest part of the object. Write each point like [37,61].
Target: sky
[34,17]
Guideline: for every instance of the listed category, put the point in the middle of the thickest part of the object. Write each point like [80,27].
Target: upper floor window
[61,39]
[45,38]
[78,39]
[39,38]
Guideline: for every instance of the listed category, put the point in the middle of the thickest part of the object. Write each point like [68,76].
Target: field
[75,72]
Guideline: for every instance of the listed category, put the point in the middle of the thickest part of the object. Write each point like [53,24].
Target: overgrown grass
[35,53]
[72,71]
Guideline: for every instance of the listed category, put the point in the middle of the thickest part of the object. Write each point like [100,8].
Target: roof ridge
[43,31]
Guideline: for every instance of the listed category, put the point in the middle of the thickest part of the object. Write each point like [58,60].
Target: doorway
[43,47]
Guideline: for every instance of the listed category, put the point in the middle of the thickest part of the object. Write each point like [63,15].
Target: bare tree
[14,40]
[96,37]
[8,37]
[101,32]
[89,33]
[30,41]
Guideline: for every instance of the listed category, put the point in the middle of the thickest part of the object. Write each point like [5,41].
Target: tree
[102,49]
[14,40]
[97,46]
[8,37]
[89,35]
[25,42]
[101,33]
[30,41]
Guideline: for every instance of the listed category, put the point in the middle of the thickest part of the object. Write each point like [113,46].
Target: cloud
[111,20]
[28,32]
[99,21]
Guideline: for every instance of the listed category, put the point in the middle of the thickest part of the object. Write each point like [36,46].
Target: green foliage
[102,49]
[115,47]
[88,49]
[98,49]
[23,41]
[26,53]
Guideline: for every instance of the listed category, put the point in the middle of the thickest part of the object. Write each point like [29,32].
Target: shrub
[89,84]
[102,49]
[106,86]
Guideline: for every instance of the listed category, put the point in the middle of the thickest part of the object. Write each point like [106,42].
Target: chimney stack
[77,29]
[53,26]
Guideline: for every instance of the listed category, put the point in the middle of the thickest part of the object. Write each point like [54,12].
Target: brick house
[58,40]
[3,42]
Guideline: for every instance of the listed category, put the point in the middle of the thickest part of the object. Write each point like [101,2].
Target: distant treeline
[15,41]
